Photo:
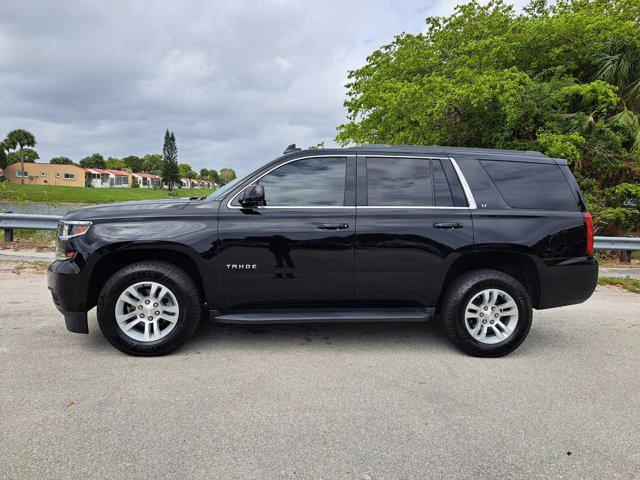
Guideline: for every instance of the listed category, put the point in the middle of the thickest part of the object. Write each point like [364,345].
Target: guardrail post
[625,256]
[8,235]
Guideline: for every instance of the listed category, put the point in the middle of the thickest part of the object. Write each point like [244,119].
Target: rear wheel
[486,313]
[149,308]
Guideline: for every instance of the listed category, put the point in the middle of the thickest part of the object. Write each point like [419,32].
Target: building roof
[102,171]
[146,175]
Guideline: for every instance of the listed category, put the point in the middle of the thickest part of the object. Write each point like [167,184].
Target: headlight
[68,229]
[72,228]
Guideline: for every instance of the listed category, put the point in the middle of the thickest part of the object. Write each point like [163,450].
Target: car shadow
[342,335]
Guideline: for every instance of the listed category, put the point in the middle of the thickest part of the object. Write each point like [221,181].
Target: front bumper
[68,288]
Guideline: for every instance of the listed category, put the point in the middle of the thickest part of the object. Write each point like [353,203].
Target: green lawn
[52,194]
[627,283]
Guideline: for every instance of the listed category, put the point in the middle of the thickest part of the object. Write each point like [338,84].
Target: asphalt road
[361,401]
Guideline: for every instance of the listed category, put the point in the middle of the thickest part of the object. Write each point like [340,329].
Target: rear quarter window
[539,186]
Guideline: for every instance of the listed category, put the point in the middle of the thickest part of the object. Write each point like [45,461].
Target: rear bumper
[68,288]
[567,282]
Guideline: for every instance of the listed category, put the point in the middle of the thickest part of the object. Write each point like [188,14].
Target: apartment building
[46,174]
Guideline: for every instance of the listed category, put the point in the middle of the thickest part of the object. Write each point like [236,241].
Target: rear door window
[526,185]
[399,182]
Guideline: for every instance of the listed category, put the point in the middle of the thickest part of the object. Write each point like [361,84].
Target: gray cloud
[236,80]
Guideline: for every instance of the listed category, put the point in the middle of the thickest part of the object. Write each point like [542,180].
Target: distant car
[371,233]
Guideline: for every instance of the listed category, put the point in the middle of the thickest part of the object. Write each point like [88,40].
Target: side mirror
[253,196]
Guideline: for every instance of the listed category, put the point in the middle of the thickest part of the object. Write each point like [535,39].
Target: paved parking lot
[361,401]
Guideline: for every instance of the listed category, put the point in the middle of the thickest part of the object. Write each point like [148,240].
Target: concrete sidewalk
[26,255]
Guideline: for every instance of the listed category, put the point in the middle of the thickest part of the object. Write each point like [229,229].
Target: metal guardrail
[11,221]
[617,243]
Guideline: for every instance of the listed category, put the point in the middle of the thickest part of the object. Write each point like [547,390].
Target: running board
[325,315]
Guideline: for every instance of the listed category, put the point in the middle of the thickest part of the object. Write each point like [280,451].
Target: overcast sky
[237,81]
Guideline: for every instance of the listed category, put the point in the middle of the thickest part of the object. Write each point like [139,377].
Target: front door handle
[447,225]
[338,226]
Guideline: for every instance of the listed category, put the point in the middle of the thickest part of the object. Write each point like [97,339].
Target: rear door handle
[338,226]
[448,225]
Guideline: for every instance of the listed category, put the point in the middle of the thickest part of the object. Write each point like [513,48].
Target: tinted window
[310,182]
[399,182]
[459,198]
[531,185]
[441,190]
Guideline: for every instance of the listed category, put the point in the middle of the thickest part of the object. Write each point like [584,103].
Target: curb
[26,256]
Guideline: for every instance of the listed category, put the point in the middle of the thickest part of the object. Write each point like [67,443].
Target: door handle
[338,226]
[447,225]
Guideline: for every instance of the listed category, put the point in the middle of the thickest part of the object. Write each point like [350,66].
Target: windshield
[225,188]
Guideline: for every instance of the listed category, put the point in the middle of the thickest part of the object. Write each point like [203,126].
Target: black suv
[370,233]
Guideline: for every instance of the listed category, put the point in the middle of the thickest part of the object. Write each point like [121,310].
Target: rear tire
[486,313]
[149,308]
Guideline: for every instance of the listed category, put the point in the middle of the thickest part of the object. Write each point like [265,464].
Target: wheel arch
[516,264]
[110,262]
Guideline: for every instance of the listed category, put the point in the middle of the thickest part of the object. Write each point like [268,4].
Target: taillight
[589,224]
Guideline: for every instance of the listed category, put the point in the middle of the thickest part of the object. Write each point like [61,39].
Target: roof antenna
[291,148]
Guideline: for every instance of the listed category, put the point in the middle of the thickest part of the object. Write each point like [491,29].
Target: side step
[326,315]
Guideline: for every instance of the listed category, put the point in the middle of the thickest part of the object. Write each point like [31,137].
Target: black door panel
[291,261]
[401,258]
[411,225]
[298,250]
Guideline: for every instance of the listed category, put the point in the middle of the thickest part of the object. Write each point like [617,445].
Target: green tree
[227,175]
[204,174]
[19,139]
[134,163]
[186,171]
[27,155]
[93,161]
[214,177]
[116,163]
[3,155]
[559,78]
[152,163]
[61,161]
[170,171]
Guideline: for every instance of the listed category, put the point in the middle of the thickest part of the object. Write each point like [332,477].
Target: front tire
[149,308]
[486,313]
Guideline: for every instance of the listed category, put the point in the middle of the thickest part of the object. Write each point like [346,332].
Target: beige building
[46,174]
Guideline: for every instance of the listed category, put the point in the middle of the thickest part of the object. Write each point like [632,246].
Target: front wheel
[149,308]
[486,313]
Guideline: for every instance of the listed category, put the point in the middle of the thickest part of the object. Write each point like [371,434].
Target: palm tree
[20,138]
[619,65]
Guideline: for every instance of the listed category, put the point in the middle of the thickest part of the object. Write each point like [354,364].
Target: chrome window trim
[465,186]
[252,182]
[430,207]
[463,182]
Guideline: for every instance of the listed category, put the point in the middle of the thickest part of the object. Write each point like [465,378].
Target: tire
[460,317]
[176,311]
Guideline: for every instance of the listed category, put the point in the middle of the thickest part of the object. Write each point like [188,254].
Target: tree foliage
[116,163]
[170,170]
[227,175]
[561,78]
[134,163]
[20,139]
[152,163]
[61,161]
[28,154]
[186,171]
[93,161]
